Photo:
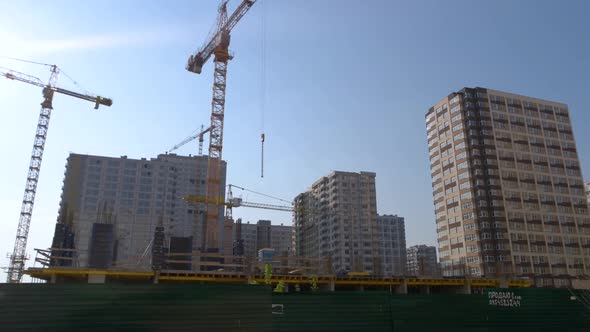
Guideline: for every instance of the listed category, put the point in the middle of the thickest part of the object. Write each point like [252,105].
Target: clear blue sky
[347,86]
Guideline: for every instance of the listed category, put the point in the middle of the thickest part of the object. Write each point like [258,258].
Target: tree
[314,284]
[267,273]
[280,288]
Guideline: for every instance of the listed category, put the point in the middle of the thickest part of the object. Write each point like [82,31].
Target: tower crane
[217,45]
[18,257]
[233,202]
[200,135]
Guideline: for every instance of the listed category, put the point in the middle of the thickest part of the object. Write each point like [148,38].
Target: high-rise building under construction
[508,191]
[110,208]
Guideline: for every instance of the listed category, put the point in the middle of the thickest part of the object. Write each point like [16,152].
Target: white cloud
[12,43]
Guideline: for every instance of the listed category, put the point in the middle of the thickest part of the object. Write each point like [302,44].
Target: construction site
[151,226]
[170,218]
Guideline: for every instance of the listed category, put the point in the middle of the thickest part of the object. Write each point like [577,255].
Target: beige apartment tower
[336,220]
[508,191]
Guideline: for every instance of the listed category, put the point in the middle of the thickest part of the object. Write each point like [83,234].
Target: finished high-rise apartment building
[421,261]
[336,219]
[263,235]
[391,239]
[508,192]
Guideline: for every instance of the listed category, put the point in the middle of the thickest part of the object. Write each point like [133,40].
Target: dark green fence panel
[504,310]
[537,310]
[186,307]
[337,311]
[192,307]
[438,312]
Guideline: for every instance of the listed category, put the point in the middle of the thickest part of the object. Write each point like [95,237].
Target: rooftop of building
[160,157]
[389,216]
[421,246]
[336,173]
[500,93]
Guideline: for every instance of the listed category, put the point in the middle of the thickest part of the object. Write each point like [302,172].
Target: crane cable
[46,64]
[22,60]
[73,81]
[259,193]
[262,83]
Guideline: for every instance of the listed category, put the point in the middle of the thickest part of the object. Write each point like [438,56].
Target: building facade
[132,197]
[336,219]
[281,240]
[508,191]
[421,261]
[265,235]
[391,236]
[587,187]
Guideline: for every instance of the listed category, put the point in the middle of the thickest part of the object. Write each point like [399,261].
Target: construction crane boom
[190,138]
[238,202]
[217,45]
[18,256]
[233,202]
[25,78]
[196,62]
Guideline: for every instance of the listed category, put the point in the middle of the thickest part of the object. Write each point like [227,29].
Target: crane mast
[18,256]
[218,46]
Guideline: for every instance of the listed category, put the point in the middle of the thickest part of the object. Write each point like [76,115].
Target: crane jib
[18,257]
[195,62]
[98,100]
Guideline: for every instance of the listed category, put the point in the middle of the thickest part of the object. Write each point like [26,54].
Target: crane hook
[262,156]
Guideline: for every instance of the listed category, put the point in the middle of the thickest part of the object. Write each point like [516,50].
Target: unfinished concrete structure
[128,198]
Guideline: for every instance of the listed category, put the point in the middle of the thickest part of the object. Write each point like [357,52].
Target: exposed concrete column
[156,277]
[97,278]
[53,279]
[402,288]
[466,288]
[329,286]
[503,283]
[426,289]
[361,288]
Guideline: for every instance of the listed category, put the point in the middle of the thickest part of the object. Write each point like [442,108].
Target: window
[463,175]
[466,195]
[465,185]
[473,259]
[469,227]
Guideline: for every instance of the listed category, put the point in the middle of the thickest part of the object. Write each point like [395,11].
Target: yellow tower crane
[217,45]
[18,256]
